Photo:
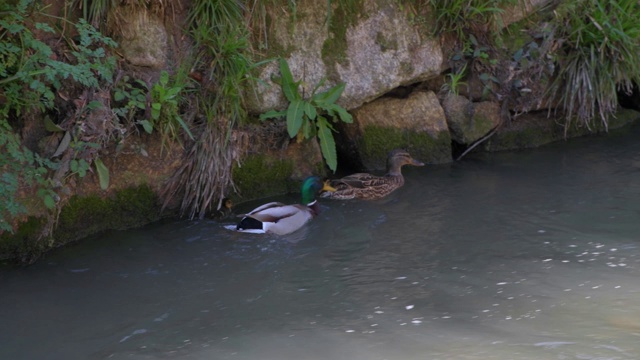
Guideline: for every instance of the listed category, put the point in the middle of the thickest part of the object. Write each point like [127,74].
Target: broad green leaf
[146,125]
[83,166]
[155,110]
[64,144]
[172,92]
[294,117]
[327,98]
[94,104]
[50,125]
[73,165]
[103,173]
[273,114]
[93,145]
[141,105]
[342,113]
[118,96]
[318,86]
[310,110]
[289,86]
[49,202]
[327,143]
[164,78]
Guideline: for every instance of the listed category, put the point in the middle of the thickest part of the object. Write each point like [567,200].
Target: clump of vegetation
[579,60]
[31,78]
[307,118]
[462,17]
[472,24]
[223,65]
[455,80]
[598,52]
[165,115]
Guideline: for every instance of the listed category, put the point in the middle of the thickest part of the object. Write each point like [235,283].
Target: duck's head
[227,204]
[311,186]
[399,157]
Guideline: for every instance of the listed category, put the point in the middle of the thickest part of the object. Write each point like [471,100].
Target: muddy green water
[523,255]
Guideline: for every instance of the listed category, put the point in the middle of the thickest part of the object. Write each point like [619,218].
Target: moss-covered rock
[84,216]
[537,129]
[23,243]
[377,141]
[268,172]
[370,45]
[80,217]
[263,176]
[415,123]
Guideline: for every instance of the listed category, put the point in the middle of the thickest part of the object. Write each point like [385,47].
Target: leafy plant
[461,16]
[455,80]
[164,110]
[30,77]
[308,117]
[222,66]
[598,54]
[20,166]
[28,61]
[130,98]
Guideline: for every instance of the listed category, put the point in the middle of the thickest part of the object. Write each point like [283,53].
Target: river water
[519,255]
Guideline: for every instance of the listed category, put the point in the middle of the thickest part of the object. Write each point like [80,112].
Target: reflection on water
[526,255]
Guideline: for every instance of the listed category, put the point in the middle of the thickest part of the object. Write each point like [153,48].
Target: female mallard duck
[370,187]
[224,211]
[280,219]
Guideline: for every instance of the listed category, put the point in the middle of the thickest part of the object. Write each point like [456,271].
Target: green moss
[23,242]
[84,216]
[514,36]
[623,117]
[386,44]
[540,130]
[482,124]
[137,206]
[527,138]
[81,217]
[407,68]
[260,176]
[334,49]
[377,141]
[531,133]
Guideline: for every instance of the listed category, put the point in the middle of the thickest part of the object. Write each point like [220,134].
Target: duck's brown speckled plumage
[225,210]
[370,187]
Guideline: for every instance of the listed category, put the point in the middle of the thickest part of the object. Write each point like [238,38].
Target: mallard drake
[224,211]
[370,187]
[280,219]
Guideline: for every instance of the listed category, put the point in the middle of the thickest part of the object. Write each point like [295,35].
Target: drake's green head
[311,186]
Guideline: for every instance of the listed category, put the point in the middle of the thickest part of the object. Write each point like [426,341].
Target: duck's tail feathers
[248,223]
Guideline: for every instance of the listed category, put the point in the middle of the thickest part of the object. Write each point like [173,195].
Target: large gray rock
[518,11]
[379,51]
[142,38]
[416,124]
[469,121]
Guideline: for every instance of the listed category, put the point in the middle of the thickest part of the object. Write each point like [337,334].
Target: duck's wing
[361,181]
[273,212]
[298,216]
[263,208]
